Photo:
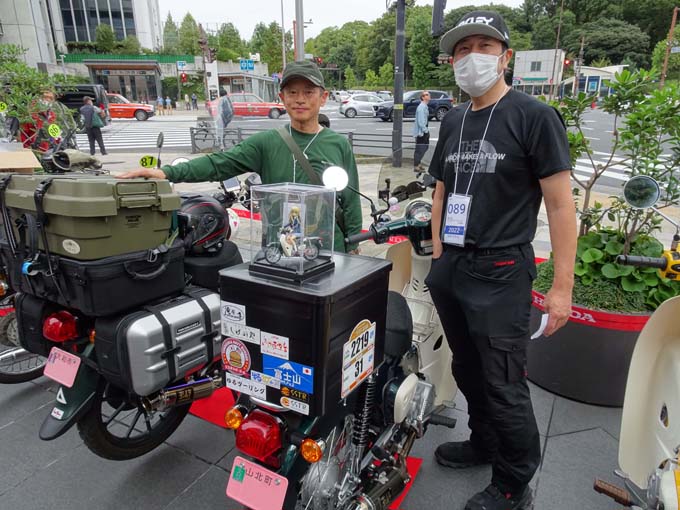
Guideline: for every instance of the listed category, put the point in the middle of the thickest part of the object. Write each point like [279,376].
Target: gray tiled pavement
[191,469]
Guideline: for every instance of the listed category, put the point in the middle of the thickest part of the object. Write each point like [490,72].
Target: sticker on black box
[358,356]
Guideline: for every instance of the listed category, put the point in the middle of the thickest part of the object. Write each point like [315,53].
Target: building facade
[536,71]
[44,27]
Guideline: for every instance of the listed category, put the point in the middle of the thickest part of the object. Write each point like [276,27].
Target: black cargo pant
[422,144]
[483,298]
[95,133]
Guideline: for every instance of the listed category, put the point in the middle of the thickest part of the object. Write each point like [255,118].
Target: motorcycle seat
[399,329]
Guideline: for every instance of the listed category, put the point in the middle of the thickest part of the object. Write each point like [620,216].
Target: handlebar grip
[635,260]
[618,494]
[362,236]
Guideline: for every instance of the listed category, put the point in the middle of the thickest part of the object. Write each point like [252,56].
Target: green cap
[303,69]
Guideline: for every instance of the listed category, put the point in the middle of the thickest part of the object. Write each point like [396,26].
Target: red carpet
[213,408]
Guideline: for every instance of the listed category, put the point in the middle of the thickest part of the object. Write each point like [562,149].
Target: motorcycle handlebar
[635,260]
[362,236]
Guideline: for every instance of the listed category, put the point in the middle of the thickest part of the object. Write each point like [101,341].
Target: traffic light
[212,52]
[567,62]
[318,61]
[183,77]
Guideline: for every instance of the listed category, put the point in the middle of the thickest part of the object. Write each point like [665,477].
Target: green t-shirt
[266,154]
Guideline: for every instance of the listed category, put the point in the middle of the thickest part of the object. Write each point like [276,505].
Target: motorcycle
[354,456]
[649,444]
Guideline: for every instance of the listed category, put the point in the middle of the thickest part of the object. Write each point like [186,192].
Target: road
[140,137]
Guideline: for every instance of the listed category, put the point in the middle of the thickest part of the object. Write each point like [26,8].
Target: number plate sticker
[358,356]
[256,487]
[62,367]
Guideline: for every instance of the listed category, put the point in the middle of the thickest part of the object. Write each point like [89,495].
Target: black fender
[71,403]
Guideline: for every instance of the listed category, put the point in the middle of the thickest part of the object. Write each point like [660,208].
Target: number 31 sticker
[148,162]
[358,356]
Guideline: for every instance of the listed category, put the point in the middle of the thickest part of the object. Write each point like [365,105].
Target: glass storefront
[135,85]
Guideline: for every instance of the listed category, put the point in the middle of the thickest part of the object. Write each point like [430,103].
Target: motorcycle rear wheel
[16,364]
[112,430]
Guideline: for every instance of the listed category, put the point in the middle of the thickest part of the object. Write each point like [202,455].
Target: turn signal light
[233,418]
[60,327]
[311,450]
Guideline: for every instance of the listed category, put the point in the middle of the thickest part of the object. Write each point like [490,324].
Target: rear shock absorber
[362,414]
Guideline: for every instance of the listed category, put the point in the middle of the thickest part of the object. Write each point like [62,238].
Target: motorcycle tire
[29,367]
[117,437]
[272,254]
[311,252]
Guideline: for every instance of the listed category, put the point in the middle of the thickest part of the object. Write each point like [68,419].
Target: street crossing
[142,135]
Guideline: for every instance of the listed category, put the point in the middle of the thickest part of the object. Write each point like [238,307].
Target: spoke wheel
[117,427]
[311,251]
[272,254]
[16,364]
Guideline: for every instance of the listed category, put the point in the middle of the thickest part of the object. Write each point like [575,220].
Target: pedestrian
[168,105]
[421,132]
[194,101]
[93,122]
[187,104]
[497,156]
[267,153]
[160,105]
[225,112]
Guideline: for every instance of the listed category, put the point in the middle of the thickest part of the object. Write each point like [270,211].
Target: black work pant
[422,144]
[484,300]
[95,133]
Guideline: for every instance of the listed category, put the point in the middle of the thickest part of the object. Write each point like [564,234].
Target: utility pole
[577,67]
[398,110]
[283,39]
[299,31]
[662,82]
[557,49]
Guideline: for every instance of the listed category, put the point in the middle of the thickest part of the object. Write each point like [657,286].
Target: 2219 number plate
[62,366]
[256,487]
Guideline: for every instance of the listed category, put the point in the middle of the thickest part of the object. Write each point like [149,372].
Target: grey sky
[245,14]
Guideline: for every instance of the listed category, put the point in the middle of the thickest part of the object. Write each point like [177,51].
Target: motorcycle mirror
[335,177]
[177,161]
[253,180]
[641,192]
[159,140]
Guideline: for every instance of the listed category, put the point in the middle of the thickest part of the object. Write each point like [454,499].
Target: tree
[612,39]
[229,43]
[105,38]
[371,82]
[386,75]
[189,36]
[422,48]
[659,54]
[266,41]
[652,16]
[129,46]
[170,36]
[350,79]
[543,36]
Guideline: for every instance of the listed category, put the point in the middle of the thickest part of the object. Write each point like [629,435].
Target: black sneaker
[492,498]
[460,454]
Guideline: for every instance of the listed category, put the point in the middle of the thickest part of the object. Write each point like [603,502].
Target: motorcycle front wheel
[16,364]
[311,251]
[117,427]
[272,254]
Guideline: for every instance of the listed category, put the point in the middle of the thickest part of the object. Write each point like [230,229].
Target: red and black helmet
[204,224]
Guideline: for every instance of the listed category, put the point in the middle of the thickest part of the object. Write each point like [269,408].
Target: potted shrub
[588,359]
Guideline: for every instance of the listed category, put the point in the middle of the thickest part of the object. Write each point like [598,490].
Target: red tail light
[60,327]
[260,437]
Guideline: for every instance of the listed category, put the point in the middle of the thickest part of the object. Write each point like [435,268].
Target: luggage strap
[170,349]
[209,335]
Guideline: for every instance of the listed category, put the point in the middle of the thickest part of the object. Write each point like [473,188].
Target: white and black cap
[476,23]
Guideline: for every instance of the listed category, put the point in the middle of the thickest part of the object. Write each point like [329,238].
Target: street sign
[675,49]
[247,64]
[181,65]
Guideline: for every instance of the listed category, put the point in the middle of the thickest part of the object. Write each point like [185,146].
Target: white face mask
[476,73]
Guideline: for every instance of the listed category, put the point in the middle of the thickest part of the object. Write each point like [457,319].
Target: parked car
[386,95]
[247,104]
[359,104]
[439,105]
[121,108]
[72,96]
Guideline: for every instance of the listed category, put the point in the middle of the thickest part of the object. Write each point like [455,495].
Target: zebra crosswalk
[142,135]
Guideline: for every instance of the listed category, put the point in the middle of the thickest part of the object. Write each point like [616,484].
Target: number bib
[457,211]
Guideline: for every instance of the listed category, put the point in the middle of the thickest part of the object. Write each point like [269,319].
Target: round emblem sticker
[54,130]
[235,356]
[71,246]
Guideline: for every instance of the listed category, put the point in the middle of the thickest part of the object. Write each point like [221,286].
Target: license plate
[256,487]
[62,366]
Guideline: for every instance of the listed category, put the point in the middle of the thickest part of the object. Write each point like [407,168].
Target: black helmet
[204,224]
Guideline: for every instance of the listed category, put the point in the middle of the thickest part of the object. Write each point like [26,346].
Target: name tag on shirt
[457,212]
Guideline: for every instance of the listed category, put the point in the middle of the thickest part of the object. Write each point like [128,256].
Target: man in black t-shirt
[497,157]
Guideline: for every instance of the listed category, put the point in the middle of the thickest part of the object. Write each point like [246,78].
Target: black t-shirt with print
[526,141]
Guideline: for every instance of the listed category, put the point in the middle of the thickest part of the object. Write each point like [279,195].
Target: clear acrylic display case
[298,225]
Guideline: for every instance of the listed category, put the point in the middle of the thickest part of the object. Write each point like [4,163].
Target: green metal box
[92,217]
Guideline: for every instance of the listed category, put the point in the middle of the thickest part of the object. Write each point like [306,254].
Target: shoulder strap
[311,174]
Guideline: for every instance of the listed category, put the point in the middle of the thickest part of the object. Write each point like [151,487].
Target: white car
[359,105]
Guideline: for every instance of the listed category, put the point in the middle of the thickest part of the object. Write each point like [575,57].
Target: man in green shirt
[303,93]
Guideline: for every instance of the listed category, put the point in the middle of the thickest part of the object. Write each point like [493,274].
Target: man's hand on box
[148,173]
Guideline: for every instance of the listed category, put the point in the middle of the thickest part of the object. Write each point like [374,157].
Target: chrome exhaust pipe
[183,394]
